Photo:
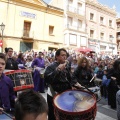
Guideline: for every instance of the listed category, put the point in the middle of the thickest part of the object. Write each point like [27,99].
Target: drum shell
[17,84]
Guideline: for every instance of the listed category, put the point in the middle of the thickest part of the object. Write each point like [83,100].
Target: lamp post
[2,29]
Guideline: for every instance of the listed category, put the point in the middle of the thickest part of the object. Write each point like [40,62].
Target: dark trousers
[51,115]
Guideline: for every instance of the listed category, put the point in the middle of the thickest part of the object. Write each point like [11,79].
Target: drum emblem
[22,82]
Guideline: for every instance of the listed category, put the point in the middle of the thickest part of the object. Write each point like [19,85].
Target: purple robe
[38,81]
[7,95]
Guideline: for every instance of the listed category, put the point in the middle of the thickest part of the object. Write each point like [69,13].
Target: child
[103,87]
[7,96]
[30,105]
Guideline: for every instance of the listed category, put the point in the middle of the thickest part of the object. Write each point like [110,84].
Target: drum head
[74,101]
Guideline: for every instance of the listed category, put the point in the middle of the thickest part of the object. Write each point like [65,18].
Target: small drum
[22,79]
[75,105]
[42,71]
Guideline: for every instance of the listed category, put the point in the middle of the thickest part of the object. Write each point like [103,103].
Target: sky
[109,3]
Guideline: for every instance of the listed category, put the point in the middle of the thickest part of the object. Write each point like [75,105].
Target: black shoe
[42,92]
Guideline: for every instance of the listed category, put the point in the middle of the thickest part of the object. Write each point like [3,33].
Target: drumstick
[6,114]
[92,78]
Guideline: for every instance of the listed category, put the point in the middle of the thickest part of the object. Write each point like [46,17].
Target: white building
[75,34]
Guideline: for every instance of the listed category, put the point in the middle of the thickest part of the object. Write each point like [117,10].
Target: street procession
[59,60]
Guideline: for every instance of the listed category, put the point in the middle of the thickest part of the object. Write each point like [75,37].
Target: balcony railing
[70,8]
[75,10]
[79,11]
[28,34]
[78,28]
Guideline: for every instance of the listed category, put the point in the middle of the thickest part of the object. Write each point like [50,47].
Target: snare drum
[75,105]
[22,79]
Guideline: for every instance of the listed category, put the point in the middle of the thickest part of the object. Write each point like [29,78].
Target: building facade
[31,25]
[118,35]
[75,34]
[101,27]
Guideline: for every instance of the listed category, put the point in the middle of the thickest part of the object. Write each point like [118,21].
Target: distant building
[75,34]
[31,25]
[118,34]
[101,27]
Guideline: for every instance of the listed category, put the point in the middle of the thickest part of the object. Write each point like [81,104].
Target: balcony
[77,28]
[70,9]
[28,34]
[80,12]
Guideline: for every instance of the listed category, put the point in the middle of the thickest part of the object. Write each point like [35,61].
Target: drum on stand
[75,105]
[22,79]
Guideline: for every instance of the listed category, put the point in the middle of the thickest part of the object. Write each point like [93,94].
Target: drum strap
[52,91]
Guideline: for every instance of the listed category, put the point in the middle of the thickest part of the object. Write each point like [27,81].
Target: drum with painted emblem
[75,105]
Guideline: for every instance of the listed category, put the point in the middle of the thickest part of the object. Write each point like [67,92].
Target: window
[91,16]
[101,36]
[111,38]
[110,23]
[51,29]
[70,21]
[118,25]
[91,33]
[27,26]
[79,5]
[70,1]
[79,23]
[101,20]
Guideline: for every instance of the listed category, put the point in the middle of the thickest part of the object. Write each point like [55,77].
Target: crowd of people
[57,71]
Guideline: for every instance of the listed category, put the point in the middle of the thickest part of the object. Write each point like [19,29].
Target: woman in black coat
[114,75]
[82,73]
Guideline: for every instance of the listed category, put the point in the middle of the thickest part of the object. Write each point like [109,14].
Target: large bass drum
[75,105]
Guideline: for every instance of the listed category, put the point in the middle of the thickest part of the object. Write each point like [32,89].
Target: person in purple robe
[7,96]
[38,64]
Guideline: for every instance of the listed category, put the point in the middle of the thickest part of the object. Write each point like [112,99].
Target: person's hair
[58,52]
[21,56]
[80,61]
[2,56]
[116,65]
[30,102]
[6,50]
[41,53]
[9,49]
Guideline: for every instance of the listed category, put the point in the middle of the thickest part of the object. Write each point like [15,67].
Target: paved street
[104,112]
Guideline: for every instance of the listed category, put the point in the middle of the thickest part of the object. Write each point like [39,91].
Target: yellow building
[31,24]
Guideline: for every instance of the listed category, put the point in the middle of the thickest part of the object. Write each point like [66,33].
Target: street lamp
[2,29]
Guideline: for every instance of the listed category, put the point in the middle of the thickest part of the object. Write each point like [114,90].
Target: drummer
[58,76]
[7,96]
[83,73]
[37,64]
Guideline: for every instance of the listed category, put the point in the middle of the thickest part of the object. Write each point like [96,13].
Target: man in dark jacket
[58,76]
[11,64]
